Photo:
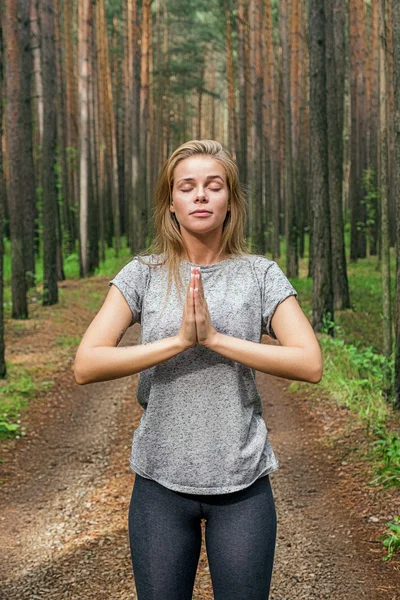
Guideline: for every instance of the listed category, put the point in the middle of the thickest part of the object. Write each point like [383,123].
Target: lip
[201,212]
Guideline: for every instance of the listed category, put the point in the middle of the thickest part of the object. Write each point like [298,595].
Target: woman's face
[199,183]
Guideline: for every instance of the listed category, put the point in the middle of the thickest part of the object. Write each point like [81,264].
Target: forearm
[103,363]
[281,361]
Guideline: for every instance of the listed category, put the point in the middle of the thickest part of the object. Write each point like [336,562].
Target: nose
[201,195]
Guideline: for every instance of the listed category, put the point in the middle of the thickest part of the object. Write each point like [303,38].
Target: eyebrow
[208,177]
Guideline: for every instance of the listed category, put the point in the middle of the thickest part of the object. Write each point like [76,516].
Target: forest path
[67,487]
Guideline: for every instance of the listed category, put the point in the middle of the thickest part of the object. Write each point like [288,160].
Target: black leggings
[165,541]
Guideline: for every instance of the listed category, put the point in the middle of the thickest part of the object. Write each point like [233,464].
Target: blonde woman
[201,450]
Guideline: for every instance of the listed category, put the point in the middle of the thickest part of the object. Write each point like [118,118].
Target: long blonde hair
[167,238]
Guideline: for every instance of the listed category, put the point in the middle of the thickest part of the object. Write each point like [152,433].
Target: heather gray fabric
[202,429]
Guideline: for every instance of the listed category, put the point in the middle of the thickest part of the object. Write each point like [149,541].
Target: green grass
[15,393]
[67,341]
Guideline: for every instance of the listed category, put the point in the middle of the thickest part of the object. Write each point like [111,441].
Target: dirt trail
[64,503]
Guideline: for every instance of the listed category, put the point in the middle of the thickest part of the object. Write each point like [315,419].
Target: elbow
[79,377]
[316,378]
[316,375]
[80,372]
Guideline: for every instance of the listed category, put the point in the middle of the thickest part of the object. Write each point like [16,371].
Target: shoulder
[261,262]
[142,263]
[258,263]
[136,269]
[150,260]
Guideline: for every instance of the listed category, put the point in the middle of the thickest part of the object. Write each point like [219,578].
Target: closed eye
[212,189]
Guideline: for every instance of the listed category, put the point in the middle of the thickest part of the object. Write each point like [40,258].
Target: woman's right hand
[187,333]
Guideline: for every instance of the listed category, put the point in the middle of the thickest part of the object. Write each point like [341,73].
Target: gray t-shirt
[202,429]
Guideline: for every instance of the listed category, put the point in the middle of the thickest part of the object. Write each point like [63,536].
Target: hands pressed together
[196,325]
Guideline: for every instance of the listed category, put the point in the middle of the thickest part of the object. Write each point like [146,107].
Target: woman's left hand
[204,327]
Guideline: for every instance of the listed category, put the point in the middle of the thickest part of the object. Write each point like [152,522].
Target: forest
[305,94]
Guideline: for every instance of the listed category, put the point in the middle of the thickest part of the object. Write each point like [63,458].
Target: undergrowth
[356,377]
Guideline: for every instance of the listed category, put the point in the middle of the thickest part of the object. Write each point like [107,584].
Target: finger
[191,293]
[200,290]
[192,284]
[195,290]
[200,285]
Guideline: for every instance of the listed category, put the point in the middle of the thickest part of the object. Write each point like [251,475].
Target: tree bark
[27,171]
[335,162]
[110,129]
[62,223]
[292,265]
[241,60]
[71,129]
[373,162]
[322,292]
[3,364]
[359,115]
[396,85]
[144,127]
[135,130]
[232,126]
[384,182]
[84,17]
[259,141]
[271,119]
[48,64]
[15,142]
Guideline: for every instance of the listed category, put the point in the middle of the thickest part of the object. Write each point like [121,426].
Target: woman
[201,450]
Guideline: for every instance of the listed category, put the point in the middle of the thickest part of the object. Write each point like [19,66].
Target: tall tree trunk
[396,82]
[271,124]
[71,129]
[110,129]
[232,128]
[150,142]
[335,162]
[98,148]
[358,128]
[35,42]
[135,131]
[48,64]
[120,128]
[167,147]
[241,59]
[84,25]
[37,95]
[295,86]
[373,64]
[15,153]
[28,171]
[322,293]
[384,182]
[158,108]
[280,144]
[127,86]
[3,365]
[61,127]
[248,78]
[251,131]
[390,94]
[144,126]
[94,205]
[258,158]
[304,135]
[292,265]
